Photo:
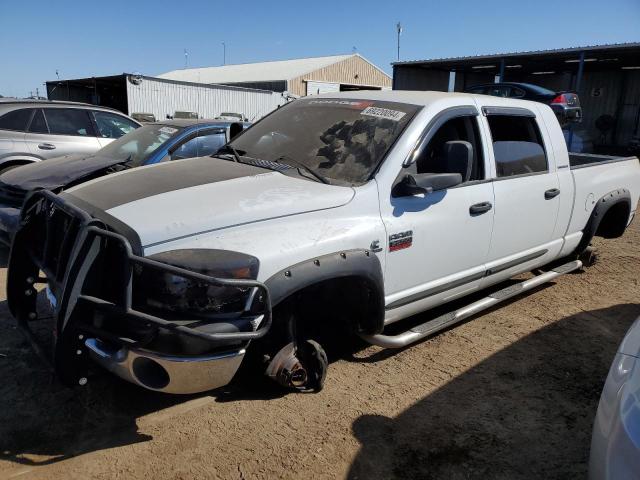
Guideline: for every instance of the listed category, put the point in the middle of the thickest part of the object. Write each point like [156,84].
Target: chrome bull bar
[66,256]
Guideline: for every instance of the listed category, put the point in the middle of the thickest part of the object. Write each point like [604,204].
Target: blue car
[152,143]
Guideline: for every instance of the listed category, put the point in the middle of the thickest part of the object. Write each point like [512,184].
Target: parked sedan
[615,445]
[35,130]
[149,144]
[566,105]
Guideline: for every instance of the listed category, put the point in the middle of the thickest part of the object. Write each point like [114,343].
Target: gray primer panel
[116,190]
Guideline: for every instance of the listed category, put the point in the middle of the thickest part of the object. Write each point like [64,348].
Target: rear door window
[477,90]
[16,119]
[517,145]
[69,121]
[499,91]
[38,123]
[517,92]
[111,125]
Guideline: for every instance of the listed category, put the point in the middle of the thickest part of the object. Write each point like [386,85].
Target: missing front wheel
[301,367]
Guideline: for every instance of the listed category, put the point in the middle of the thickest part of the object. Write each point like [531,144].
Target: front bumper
[166,373]
[74,251]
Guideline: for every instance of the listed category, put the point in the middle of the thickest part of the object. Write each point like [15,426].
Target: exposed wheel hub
[302,367]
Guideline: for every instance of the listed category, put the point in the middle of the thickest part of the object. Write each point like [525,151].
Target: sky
[95,38]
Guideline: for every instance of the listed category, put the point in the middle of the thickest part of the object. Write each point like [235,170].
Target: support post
[578,83]
[502,70]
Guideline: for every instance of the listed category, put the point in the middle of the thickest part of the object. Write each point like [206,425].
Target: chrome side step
[443,321]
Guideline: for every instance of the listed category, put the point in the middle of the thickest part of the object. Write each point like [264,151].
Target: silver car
[35,130]
[615,444]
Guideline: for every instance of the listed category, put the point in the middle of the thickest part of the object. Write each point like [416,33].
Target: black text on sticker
[401,240]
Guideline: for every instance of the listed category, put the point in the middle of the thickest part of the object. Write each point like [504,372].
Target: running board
[443,321]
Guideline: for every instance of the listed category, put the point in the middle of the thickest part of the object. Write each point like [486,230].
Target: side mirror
[415,184]
[234,130]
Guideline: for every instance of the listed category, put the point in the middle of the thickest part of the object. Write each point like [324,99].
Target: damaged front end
[176,322]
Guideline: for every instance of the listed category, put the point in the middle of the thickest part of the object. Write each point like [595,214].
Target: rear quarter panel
[594,182]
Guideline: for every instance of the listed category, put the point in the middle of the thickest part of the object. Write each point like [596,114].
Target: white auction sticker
[168,130]
[387,113]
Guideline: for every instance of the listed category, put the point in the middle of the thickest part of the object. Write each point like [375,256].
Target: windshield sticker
[358,105]
[387,113]
[168,130]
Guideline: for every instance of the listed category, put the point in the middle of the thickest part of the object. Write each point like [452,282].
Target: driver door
[437,243]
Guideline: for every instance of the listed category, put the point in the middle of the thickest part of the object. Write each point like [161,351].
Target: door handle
[47,146]
[551,193]
[480,208]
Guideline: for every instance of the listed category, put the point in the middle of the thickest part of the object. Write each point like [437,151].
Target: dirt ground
[509,394]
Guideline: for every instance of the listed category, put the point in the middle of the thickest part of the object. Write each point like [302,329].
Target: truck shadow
[44,422]
[406,204]
[525,412]
[4,256]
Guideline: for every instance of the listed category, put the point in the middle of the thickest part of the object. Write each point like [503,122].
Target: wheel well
[614,221]
[608,219]
[350,302]
[12,164]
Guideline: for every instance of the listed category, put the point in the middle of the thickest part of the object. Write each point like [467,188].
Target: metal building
[302,76]
[606,78]
[162,97]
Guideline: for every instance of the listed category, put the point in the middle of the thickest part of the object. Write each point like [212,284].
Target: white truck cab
[335,213]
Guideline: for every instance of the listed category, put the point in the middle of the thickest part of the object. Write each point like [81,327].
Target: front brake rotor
[302,368]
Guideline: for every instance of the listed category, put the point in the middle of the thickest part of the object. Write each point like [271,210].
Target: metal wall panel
[164,97]
[353,70]
[274,86]
[628,124]
[417,78]
[316,88]
[599,95]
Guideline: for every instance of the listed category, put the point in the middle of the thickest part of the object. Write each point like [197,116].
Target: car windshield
[342,140]
[139,144]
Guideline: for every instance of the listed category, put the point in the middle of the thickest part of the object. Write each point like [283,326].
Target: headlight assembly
[162,290]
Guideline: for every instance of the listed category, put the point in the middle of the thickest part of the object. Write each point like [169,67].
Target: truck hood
[57,172]
[179,199]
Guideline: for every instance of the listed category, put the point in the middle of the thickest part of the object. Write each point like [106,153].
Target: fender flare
[362,264]
[603,205]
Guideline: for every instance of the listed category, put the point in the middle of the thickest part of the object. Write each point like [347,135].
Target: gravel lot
[510,394]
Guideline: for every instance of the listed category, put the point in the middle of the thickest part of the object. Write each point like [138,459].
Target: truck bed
[582,160]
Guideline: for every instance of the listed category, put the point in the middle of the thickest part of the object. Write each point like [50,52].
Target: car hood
[178,199]
[57,172]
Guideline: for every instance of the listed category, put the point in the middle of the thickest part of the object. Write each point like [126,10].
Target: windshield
[139,144]
[343,140]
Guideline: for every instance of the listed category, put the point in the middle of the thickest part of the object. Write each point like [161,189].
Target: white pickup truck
[334,214]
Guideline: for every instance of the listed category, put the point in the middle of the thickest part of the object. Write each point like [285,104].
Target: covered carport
[109,91]
[606,78]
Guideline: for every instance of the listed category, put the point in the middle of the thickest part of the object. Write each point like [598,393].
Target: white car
[340,212]
[615,445]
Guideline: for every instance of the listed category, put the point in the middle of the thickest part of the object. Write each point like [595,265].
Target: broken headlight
[155,288]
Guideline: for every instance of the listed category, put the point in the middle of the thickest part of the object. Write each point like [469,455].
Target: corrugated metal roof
[254,72]
[586,48]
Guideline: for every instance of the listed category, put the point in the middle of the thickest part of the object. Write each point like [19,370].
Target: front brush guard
[66,262]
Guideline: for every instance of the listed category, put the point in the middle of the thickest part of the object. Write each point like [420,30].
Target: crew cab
[337,213]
